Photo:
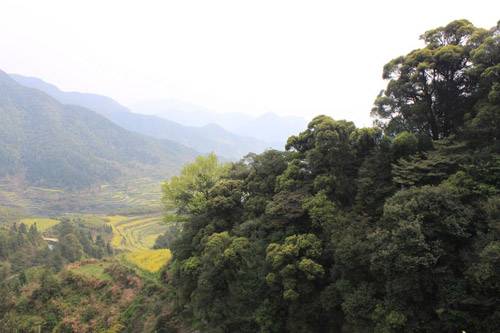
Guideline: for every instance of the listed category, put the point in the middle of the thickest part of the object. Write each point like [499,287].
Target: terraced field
[135,236]
[136,233]
[100,199]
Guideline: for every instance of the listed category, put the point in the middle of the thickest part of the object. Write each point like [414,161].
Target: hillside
[393,228]
[45,143]
[82,284]
[222,142]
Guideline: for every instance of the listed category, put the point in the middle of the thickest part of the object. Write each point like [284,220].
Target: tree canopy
[393,228]
[189,191]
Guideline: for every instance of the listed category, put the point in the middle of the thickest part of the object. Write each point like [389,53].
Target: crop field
[136,232]
[99,199]
[135,236]
[42,224]
[149,260]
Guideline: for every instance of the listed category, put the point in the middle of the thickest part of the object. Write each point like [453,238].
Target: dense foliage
[394,228]
[19,247]
[23,247]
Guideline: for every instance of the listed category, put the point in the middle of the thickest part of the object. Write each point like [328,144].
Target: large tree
[431,89]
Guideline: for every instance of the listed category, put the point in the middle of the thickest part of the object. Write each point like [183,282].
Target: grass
[42,224]
[149,260]
[95,270]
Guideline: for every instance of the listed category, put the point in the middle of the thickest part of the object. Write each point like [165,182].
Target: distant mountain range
[210,137]
[269,127]
[46,143]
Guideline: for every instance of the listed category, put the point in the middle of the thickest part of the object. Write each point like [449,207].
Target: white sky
[290,57]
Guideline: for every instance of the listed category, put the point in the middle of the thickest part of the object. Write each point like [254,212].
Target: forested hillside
[394,228]
[77,286]
[203,139]
[45,143]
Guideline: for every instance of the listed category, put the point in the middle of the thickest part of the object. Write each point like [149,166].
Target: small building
[51,242]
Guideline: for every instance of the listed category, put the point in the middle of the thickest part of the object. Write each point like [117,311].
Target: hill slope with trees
[202,139]
[394,228]
[45,143]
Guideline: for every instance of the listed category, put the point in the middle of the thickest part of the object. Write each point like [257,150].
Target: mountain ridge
[269,126]
[51,144]
[225,143]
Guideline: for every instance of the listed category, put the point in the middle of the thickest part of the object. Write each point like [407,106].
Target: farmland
[135,236]
[137,232]
[42,224]
[142,193]
[149,260]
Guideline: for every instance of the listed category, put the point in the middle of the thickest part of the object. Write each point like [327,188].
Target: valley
[166,221]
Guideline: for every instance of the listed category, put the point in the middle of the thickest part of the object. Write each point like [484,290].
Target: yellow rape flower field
[136,235]
[149,260]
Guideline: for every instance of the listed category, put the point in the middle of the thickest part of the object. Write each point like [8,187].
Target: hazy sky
[290,57]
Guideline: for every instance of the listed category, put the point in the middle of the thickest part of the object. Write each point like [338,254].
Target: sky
[300,58]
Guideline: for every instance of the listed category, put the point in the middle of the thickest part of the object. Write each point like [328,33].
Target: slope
[45,143]
[222,142]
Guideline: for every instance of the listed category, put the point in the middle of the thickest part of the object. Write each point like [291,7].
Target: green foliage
[404,144]
[70,248]
[9,215]
[432,90]
[189,191]
[431,167]
[386,229]
[79,300]
[19,249]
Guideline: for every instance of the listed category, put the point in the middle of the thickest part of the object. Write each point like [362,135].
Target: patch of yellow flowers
[149,260]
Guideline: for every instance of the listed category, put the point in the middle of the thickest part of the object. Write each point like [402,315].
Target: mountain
[46,143]
[221,141]
[189,114]
[269,127]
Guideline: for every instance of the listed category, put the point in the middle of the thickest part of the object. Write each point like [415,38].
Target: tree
[327,158]
[295,279]
[430,90]
[419,257]
[70,248]
[190,191]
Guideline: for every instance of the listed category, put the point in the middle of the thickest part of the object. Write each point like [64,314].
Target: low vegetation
[94,270]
